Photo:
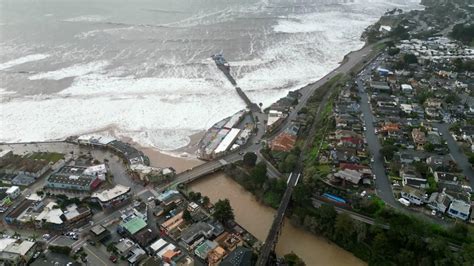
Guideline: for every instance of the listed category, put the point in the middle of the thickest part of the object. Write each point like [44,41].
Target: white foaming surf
[159,102]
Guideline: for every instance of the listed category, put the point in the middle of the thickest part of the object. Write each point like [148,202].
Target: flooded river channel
[257,219]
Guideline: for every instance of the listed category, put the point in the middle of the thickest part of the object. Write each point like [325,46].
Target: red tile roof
[283,142]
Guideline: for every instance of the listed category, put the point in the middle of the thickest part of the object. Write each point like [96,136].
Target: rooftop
[110,194]
[51,214]
[82,180]
[98,229]
[134,225]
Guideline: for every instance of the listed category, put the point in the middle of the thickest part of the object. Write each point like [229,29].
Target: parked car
[113,259]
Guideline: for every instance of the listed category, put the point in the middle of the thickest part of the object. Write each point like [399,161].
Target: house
[113,197]
[413,195]
[170,197]
[459,209]
[275,118]
[433,103]
[204,248]
[353,176]
[351,142]
[75,216]
[419,138]
[196,233]
[144,237]
[50,217]
[172,222]
[283,142]
[134,225]
[23,212]
[240,256]
[447,178]
[380,86]
[441,163]
[124,246]
[216,255]
[157,246]
[99,232]
[406,88]
[16,252]
[410,177]
[13,192]
[439,201]
[136,255]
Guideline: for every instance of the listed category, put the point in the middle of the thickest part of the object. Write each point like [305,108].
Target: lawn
[47,156]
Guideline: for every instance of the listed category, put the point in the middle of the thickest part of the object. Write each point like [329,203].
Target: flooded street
[257,218]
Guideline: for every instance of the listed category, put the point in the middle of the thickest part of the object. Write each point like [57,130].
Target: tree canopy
[223,212]
[250,159]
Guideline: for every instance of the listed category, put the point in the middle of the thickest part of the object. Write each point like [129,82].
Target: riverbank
[257,219]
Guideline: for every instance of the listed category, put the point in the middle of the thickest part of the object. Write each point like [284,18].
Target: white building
[227,142]
[99,171]
[274,117]
[459,209]
[406,88]
[13,192]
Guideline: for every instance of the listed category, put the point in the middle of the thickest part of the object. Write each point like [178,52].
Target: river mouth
[257,218]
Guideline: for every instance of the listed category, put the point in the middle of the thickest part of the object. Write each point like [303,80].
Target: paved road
[382,183]
[457,153]
[351,60]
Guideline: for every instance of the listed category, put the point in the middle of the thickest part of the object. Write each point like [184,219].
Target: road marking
[93,254]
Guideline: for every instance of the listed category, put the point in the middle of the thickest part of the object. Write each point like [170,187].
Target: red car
[113,259]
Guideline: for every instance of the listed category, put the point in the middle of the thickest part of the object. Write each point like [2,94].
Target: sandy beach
[181,159]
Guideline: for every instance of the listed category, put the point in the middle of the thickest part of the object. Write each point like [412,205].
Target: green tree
[187,216]
[250,159]
[410,59]
[259,173]
[471,159]
[194,196]
[381,245]
[205,201]
[393,51]
[223,212]
[388,151]
[291,259]
[344,229]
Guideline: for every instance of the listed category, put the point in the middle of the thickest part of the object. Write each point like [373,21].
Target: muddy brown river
[257,219]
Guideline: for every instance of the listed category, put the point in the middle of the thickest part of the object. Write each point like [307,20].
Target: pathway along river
[257,218]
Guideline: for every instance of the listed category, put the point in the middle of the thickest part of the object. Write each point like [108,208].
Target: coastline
[180,159]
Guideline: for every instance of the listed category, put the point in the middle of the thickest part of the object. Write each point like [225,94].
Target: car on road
[241,153]
[91,242]
[37,254]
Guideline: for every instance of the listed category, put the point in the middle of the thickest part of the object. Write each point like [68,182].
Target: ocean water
[142,69]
